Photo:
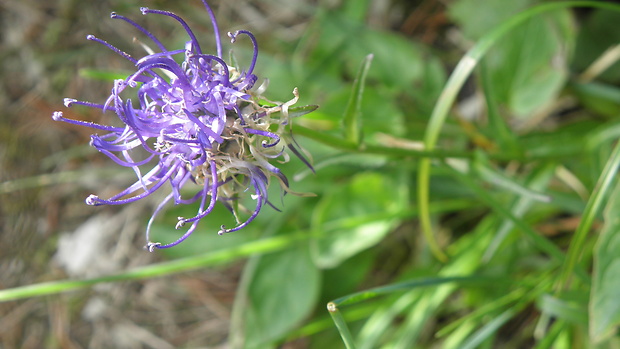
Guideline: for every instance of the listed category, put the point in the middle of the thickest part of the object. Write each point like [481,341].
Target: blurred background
[536,80]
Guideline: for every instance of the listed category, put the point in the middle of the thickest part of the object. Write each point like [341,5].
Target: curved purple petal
[195,122]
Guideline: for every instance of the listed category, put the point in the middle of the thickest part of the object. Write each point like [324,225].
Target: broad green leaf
[477,17]
[283,291]
[351,121]
[398,63]
[353,217]
[529,68]
[337,44]
[604,299]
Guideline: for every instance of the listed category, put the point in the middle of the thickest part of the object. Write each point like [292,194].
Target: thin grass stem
[591,211]
[447,97]
[341,325]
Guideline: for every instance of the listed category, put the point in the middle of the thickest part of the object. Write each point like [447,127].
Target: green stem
[462,71]
[339,143]
[345,145]
[411,284]
[341,325]
[156,270]
[590,213]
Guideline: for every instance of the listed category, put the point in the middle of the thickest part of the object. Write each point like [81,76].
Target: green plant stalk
[341,325]
[347,146]
[352,120]
[476,339]
[411,284]
[591,211]
[519,206]
[547,342]
[271,244]
[322,323]
[447,97]
[156,270]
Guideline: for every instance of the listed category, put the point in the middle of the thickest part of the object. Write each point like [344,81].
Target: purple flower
[200,123]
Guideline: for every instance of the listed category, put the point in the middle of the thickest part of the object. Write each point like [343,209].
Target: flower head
[199,122]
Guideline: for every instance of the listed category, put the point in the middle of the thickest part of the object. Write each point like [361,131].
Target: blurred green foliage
[527,214]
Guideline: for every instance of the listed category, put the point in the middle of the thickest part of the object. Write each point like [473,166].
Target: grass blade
[155,270]
[341,325]
[462,71]
[604,301]
[591,211]
[352,123]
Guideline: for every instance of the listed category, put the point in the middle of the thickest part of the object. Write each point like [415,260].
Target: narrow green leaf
[302,110]
[460,74]
[604,299]
[488,330]
[600,97]
[351,122]
[520,206]
[156,270]
[465,323]
[417,306]
[413,284]
[468,249]
[539,241]
[487,173]
[591,211]
[551,335]
[341,325]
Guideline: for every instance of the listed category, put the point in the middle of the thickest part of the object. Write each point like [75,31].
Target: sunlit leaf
[353,217]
